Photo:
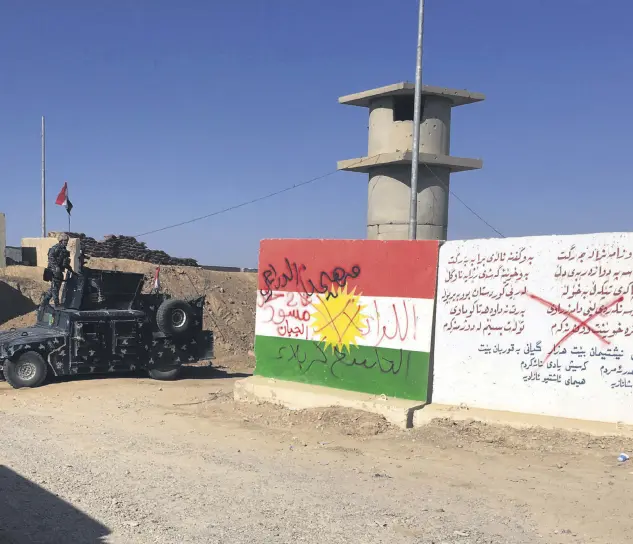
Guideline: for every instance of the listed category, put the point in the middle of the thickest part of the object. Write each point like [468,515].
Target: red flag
[157,279]
[62,198]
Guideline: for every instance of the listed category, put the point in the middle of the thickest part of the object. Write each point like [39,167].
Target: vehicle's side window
[61,320]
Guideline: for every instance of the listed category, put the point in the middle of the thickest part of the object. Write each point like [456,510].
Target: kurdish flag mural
[349,314]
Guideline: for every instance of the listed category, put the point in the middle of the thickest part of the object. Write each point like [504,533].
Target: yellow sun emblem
[339,320]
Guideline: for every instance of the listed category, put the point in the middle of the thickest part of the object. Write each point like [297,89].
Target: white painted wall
[492,339]
[388,322]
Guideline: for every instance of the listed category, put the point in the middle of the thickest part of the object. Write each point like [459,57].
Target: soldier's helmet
[63,238]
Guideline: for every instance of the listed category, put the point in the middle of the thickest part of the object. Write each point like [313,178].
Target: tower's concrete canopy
[389,157]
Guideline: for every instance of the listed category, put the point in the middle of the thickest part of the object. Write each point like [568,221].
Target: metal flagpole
[67,210]
[417,113]
[44,233]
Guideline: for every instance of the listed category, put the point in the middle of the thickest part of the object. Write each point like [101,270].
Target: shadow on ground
[188,373]
[210,373]
[29,514]
[13,303]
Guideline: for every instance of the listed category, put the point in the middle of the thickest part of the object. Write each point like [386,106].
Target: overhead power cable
[246,203]
[464,203]
[296,186]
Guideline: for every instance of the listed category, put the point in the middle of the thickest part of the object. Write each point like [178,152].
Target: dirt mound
[18,300]
[230,298]
[21,289]
[26,320]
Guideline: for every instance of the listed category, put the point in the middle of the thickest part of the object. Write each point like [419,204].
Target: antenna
[44,232]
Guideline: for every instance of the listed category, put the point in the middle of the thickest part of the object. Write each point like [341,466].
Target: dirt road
[130,460]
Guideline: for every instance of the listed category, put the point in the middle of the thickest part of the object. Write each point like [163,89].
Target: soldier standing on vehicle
[58,263]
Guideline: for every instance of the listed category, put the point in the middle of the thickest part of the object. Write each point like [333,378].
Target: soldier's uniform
[58,262]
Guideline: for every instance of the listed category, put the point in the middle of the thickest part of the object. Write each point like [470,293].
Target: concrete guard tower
[389,156]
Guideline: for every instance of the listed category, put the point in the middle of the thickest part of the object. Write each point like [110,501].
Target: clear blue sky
[159,111]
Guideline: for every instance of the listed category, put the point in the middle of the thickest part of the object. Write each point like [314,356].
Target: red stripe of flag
[157,279]
[395,268]
[62,196]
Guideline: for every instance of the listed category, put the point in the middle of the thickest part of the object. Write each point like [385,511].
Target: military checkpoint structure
[364,279]
[102,323]
[389,157]
[536,325]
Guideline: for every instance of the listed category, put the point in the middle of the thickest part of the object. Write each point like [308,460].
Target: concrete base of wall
[519,420]
[298,396]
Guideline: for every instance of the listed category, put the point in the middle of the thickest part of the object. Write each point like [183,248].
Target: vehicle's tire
[175,317]
[165,375]
[28,370]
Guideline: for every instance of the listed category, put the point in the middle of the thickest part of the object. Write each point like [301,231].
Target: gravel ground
[134,461]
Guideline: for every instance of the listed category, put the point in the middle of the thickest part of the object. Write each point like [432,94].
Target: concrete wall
[3,240]
[541,325]
[387,135]
[13,255]
[388,201]
[37,248]
[348,314]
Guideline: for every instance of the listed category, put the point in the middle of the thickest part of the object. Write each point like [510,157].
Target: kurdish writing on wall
[350,314]
[540,325]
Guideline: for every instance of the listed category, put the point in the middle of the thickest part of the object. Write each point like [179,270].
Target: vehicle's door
[89,346]
[125,343]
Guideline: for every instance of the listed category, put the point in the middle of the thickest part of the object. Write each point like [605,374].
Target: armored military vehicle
[105,324]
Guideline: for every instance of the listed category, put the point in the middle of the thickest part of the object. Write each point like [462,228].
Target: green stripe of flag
[379,371]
